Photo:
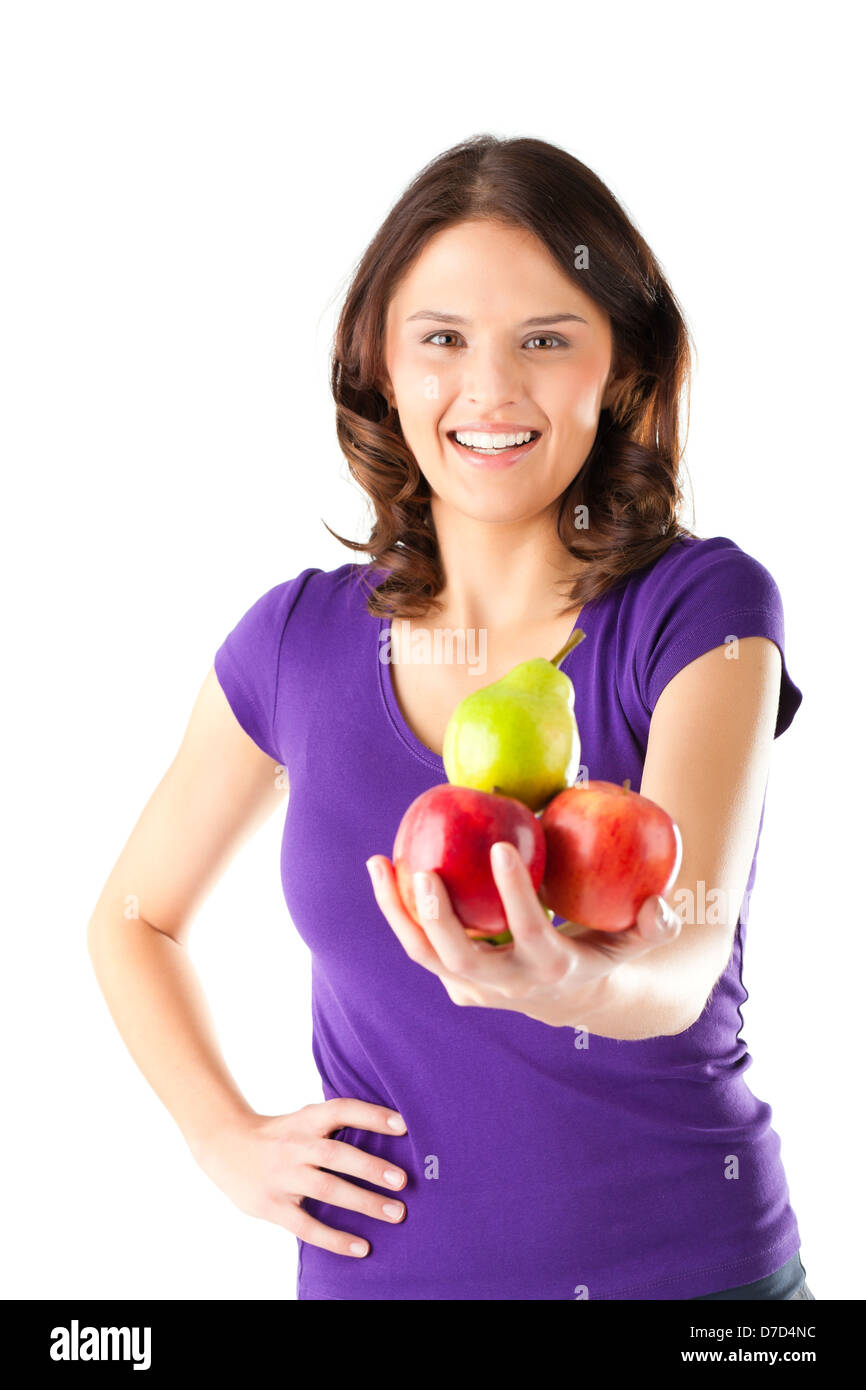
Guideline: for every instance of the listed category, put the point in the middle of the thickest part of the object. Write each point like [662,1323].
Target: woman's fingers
[539,956]
[324,1186]
[657,921]
[342,1157]
[536,939]
[325,1117]
[287,1211]
[620,946]
[646,925]
[445,947]
[441,945]
[411,937]
[460,953]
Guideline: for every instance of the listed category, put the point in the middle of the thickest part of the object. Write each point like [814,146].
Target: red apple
[608,850]
[449,830]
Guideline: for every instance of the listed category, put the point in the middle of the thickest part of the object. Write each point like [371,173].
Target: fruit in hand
[608,850]
[450,830]
[518,735]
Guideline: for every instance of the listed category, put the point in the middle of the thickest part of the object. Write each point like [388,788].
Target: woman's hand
[268,1164]
[554,975]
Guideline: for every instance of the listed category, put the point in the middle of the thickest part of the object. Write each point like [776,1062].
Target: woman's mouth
[493,450]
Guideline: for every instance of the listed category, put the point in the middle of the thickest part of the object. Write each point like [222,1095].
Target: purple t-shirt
[542,1163]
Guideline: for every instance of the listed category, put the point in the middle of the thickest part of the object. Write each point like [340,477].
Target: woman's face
[486,334]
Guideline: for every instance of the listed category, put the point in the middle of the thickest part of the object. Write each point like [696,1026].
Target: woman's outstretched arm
[707,763]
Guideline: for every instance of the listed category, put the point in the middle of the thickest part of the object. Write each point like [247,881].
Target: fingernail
[397,1122]
[393,1178]
[664,924]
[374,868]
[393,1209]
[359,1247]
[503,855]
[423,886]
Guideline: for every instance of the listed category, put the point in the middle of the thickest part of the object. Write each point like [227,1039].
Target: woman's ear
[612,386]
[619,393]
[611,392]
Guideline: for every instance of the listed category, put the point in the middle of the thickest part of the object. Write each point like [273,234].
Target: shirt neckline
[405,734]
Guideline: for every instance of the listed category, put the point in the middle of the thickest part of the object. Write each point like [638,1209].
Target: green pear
[517,736]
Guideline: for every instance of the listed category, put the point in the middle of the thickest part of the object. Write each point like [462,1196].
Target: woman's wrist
[201,1132]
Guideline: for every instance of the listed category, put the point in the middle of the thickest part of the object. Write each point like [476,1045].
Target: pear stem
[577,636]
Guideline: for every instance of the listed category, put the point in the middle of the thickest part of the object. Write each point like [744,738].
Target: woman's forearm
[663,992]
[635,1002]
[158,1004]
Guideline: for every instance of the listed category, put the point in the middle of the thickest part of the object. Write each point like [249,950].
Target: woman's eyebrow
[536,322]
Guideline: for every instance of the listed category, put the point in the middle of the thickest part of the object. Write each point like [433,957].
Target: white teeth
[492,441]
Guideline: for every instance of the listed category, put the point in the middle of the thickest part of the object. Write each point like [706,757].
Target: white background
[186,190]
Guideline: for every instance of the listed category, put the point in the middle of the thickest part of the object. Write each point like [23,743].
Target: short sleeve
[247,663]
[702,596]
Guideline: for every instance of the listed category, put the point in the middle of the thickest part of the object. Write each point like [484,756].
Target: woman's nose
[492,379]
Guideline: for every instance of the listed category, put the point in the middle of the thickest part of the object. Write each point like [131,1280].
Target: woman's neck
[501,574]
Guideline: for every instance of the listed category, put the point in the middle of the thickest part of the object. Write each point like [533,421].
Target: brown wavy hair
[630,481]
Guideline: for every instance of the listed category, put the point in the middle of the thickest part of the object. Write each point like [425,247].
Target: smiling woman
[569,381]
[600,1074]
[488,392]
[472,280]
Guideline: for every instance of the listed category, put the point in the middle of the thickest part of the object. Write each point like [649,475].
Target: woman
[566,1116]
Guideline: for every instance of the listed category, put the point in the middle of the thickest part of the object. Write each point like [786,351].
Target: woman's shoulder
[304,624]
[705,571]
[311,588]
[311,600]
[701,593]
[341,591]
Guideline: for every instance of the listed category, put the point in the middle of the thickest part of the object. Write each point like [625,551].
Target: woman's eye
[441,334]
[546,338]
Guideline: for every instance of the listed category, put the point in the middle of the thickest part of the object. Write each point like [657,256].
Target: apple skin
[608,850]
[449,831]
